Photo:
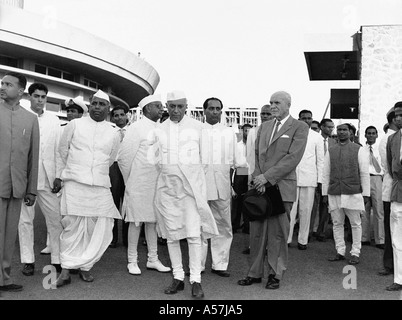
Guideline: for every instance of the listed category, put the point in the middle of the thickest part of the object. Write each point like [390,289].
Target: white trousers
[378,213]
[305,202]
[49,204]
[151,237]
[194,253]
[220,244]
[396,236]
[338,220]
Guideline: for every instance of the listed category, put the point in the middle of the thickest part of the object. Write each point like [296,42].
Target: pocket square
[284,136]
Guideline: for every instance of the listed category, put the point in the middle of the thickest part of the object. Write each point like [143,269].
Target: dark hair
[324,121]
[305,111]
[351,127]
[316,122]
[37,86]
[246,125]
[398,105]
[124,108]
[370,127]
[22,81]
[205,104]
[390,117]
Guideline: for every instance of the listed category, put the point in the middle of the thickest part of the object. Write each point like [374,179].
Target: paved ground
[309,277]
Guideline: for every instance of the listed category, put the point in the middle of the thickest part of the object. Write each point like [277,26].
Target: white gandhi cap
[149,99]
[101,95]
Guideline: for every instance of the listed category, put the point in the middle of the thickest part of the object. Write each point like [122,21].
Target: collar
[283,120]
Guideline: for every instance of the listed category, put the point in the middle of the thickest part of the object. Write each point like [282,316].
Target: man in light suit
[309,174]
[280,145]
[394,162]
[19,145]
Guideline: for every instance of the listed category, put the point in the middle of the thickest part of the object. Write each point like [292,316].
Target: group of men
[174,178]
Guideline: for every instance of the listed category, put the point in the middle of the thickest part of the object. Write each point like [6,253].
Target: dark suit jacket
[278,160]
[394,165]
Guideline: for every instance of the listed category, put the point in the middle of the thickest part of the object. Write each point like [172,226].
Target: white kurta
[138,163]
[181,195]
[387,179]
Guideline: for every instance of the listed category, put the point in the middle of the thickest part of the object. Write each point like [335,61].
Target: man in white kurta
[345,200]
[181,194]
[220,151]
[87,149]
[139,166]
[48,201]
[308,175]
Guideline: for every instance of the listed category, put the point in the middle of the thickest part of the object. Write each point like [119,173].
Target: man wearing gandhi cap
[181,196]
[139,166]
[88,147]
[346,189]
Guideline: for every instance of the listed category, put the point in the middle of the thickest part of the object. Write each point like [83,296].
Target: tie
[374,161]
[325,146]
[121,134]
[275,131]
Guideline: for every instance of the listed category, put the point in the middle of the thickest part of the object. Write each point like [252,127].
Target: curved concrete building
[70,61]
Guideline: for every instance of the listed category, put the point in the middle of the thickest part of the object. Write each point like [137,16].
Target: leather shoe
[272,283]
[301,246]
[196,290]
[394,287]
[11,288]
[176,285]
[62,282]
[29,269]
[158,266]
[86,276]
[133,268]
[386,272]
[366,243]
[380,246]
[354,260]
[247,281]
[57,267]
[221,273]
[338,257]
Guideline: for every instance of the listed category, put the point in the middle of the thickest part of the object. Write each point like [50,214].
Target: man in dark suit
[279,147]
[395,169]
[19,145]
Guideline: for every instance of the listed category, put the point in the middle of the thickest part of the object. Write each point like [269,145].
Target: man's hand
[261,190]
[366,199]
[56,185]
[259,181]
[29,199]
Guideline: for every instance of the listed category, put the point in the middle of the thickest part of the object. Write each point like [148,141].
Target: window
[40,69]
[8,61]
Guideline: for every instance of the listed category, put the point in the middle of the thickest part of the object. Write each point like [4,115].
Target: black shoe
[394,287]
[386,272]
[221,273]
[380,246]
[29,269]
[301,246]
[247,281]
[354,260]
[272,283]
[187,273]
[74,271]
[176,285]
[57,266]
[11,288]
[338,257]
[196,290]
[113,244]
[366,243]
[62,282]
[246,251]
[86,276]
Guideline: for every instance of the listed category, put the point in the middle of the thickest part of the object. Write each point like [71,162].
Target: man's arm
[64,147]
[33,159]
[389,155]
[319,153]
[363,159]
[128,151]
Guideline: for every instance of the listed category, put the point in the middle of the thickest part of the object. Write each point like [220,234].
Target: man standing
[119,117]
[280,145]
[394,161]
[388,260]
[376,173]
[220,151]
[48,201]
[309,174]
[138,164]
[88,147]
[19,145]
[181,194]
[346,189]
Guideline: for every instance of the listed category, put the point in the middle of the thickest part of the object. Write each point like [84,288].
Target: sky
[239,51]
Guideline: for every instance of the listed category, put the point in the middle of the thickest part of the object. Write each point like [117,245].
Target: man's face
[213,112]
[314,126]
[280,105]
[119,118]
[371,136]
[266,114]
[73,113]
[98,109]
[398,117]
[155,111]
[177,109]
[245,133]
[306,117]
[38,101]
[10,88]
[343,132]
[327,128]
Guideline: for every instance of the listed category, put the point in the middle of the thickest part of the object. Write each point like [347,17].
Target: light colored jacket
[387,179]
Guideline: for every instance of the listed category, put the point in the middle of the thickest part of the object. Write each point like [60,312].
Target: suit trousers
[220,244]
[338,220]
[269,238]
[388,257]
[304,204]
[315,218]
[378,212]
[49,204]
[151,237]
[194,253]
[396,236]
[10,209]
[323,218]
